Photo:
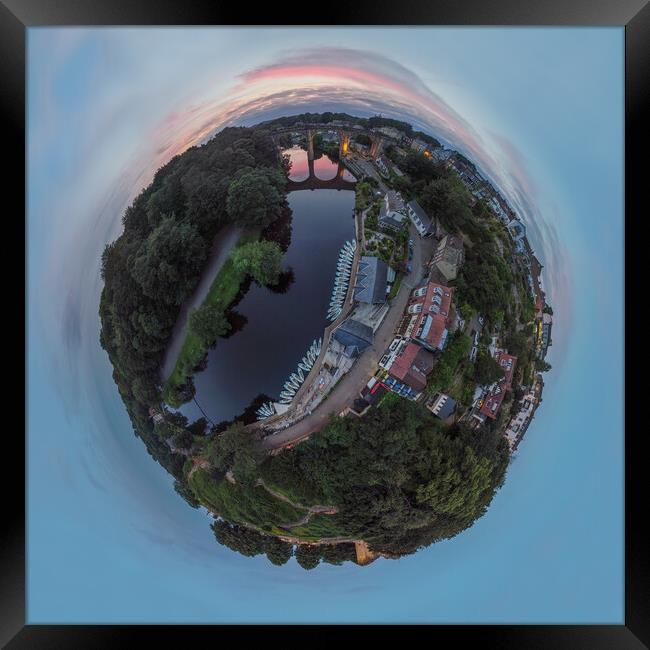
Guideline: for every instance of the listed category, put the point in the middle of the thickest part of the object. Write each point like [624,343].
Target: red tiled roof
[494,399]
[412,366]
[440,320]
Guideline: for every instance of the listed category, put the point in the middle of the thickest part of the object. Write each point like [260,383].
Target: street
[351,384]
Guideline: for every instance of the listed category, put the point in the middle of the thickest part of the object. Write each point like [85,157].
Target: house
[449,257]
[354,336]
[545,335]
[156,415]
[441,154]
[392,214]
[418,145]
[430,315]
[443,406]
[391,132]
[494,398]
[412,365]
[373,391]
[516,229]
[420,219]
[371,280]
[383,165]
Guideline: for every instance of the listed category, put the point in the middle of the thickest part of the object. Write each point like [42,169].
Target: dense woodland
[156,263]
[400,478]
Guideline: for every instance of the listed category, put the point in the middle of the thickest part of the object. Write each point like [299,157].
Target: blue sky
[540,110]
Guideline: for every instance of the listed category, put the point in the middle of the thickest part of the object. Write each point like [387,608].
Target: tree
[262,260]
[542,366]
[168,262]
[182,489]
[239,538]
[235,450]
[308,556]
[278,551]
[182,439]
[256,197]
[486,369]
[466,311]
[208,322]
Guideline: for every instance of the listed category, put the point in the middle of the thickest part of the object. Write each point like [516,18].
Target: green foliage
[485,281]
[542,366]
[466,312]
[239,538]
[169,260]
[235,450]
[399,480]
[244,503]
[262,260]
[486,369]
[222,293]
[151,269]
[308,557]
[456,350]
[208,322]
[277,551]
[448,199]
[255,198]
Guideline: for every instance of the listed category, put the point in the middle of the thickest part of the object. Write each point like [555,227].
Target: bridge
[312,182]
[344,132]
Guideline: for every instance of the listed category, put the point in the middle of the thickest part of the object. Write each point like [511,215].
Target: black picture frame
[18,15]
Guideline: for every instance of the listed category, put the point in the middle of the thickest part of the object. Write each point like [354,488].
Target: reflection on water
[275,327]
[324,168]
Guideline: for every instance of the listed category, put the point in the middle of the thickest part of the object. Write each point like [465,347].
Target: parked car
[411,244]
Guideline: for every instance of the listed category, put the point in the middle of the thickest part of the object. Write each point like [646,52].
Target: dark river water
[279,327]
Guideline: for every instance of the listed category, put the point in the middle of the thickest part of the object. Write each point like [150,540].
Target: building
[412,365]
[391,132]
[441,154]
[373,391]
[420,219]
[156,415]
[443,406]
[354,336]
[418,145]
[383,165]
[428,315]
[392,214]
[499,207]
[449,257]
[516,229]
[545,335]
[494,398]
[371,280]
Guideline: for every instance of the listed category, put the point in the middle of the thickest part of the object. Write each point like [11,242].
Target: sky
[540,111]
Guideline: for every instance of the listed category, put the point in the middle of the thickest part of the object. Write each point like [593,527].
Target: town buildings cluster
[430,315]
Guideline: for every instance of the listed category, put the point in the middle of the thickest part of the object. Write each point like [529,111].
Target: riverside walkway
[224,242]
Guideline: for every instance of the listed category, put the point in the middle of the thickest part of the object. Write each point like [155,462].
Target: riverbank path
[224,242]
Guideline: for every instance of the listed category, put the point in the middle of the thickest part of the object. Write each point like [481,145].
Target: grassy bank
[223,291]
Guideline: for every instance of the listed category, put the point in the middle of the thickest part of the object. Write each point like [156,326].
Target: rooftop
[371,280]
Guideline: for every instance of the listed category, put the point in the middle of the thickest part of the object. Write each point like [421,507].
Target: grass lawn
[223,291]
[243,503]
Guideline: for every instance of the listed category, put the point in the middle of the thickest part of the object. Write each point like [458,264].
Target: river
[277,327]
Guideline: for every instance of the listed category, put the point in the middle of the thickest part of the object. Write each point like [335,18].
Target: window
[415,309]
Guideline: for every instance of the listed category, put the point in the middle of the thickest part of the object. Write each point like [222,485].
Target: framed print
[325,324]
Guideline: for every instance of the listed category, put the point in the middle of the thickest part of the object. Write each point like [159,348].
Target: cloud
[85,212]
